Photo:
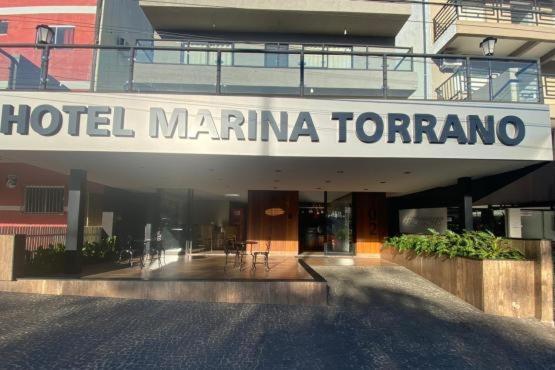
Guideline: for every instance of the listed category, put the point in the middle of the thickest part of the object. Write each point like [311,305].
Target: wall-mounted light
[11,181]
[272,212]
[488,46]
[44,35]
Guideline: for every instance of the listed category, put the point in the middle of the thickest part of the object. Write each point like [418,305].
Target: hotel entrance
[326,223]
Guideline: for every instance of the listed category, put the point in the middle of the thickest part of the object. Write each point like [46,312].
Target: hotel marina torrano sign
[274,126]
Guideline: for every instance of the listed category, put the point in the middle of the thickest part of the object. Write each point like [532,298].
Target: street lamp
[45,35]
[488,46]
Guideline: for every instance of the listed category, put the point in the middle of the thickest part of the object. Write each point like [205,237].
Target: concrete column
[465,206]
[75,220]
[12,256]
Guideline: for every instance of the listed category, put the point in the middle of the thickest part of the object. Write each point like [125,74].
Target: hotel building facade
[323,126]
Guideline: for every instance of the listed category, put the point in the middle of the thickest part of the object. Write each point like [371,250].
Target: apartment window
[209,58]
[332,61]
[44,199]
[64,35]
[3,27]
[339,61]
[273,60]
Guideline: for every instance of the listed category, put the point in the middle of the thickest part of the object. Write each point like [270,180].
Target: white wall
[412,35]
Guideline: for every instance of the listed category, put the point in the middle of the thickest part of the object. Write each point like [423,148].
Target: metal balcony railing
[549,85]
[262,72]
[531,12]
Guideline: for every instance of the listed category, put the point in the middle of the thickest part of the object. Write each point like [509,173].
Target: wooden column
[274,215]
[540,252]
[370,218]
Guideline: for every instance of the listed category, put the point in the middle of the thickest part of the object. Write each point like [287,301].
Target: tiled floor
[202,267]
[213,267]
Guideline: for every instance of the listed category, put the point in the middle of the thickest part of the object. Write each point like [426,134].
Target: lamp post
[488,48]
[44,37]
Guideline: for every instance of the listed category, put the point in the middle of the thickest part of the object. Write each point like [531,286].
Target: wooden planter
[500,287]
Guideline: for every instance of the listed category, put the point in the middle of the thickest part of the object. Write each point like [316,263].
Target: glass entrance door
[339,223]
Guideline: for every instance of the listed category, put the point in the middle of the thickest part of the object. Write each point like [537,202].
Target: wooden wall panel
[283,229]
[370,219]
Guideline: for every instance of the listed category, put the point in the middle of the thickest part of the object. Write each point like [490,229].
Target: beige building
[524,29]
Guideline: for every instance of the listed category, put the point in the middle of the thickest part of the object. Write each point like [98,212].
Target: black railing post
[44,64]
[384,72]
[219,73]
[131,76]
[490,80]
[302,73]
[468,80]
[541,96]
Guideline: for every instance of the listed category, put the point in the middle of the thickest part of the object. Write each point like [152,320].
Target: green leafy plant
[482,245]
[51,259]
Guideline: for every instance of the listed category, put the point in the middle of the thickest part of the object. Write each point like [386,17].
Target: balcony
[525,28]
[362,18]
[242,69]
[548,82]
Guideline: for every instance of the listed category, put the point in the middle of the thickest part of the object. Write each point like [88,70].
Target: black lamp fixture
[45,35]
[488,46]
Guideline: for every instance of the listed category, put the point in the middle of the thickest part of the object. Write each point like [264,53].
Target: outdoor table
[251,243]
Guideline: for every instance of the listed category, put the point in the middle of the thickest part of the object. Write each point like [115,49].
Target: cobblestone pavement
[383,317]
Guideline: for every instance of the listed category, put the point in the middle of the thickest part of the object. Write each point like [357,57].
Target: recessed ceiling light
[232,195]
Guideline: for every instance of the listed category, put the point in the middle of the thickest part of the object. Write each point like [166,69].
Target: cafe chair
[229,248]
[265,254]
[240,255]
[128,250]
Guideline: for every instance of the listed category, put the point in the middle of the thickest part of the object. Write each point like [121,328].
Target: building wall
[69,69]
[12,200]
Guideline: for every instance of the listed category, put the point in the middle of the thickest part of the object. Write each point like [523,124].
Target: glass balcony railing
[306,71]
[528,12]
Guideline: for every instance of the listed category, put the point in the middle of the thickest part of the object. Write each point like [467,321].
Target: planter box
[498,287]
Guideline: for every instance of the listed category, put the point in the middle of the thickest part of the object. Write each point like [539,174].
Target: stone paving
[381,316]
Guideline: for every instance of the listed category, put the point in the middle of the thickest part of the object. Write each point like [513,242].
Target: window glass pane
[3,27]
[227,58]
[313,60]
[274,60]
[339,61]
[198,57]
[64,35]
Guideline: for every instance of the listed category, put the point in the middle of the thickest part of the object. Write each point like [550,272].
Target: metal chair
[240,254]
[129,250]
[229,248]
[265,254]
